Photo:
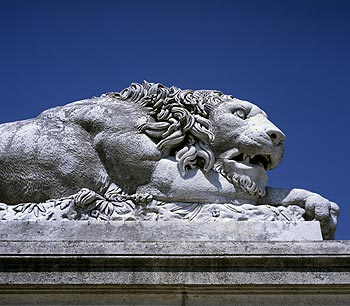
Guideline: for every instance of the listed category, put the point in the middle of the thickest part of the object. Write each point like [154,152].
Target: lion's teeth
[246,157]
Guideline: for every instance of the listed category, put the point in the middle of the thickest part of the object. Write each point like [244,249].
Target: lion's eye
[240,113]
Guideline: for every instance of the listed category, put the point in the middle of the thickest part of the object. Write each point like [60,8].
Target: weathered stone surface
[152,151]
[181,297]
[160,231]
[66,265]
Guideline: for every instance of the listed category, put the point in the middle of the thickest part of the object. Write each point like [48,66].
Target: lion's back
[41,159]
[84,144]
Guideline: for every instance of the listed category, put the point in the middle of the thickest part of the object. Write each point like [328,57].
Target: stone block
[90,263]
[162,231]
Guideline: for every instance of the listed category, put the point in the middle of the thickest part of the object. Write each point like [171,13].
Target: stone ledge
[161,230]
[48,266]
[183,296]
[322,249]
[173,289]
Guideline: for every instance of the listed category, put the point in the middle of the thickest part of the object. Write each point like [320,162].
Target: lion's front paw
[324,211]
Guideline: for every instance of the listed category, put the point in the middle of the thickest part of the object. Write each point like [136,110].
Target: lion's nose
[276,135]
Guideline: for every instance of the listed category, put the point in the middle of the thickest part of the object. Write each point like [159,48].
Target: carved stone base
[161,231]
[145,263]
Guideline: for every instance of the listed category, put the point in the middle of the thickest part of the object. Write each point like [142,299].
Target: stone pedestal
[81,263]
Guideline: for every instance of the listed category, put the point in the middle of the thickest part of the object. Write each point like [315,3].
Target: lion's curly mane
[181,126]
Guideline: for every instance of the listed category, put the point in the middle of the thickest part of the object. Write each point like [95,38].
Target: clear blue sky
[292,58]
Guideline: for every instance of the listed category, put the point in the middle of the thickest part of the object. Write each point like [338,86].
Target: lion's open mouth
[260,160]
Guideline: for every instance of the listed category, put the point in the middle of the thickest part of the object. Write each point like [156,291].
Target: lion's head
[210,130]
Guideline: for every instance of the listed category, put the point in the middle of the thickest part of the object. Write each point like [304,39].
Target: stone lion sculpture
[183,146]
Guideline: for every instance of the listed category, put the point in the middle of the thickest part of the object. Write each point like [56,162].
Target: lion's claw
[324,211]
